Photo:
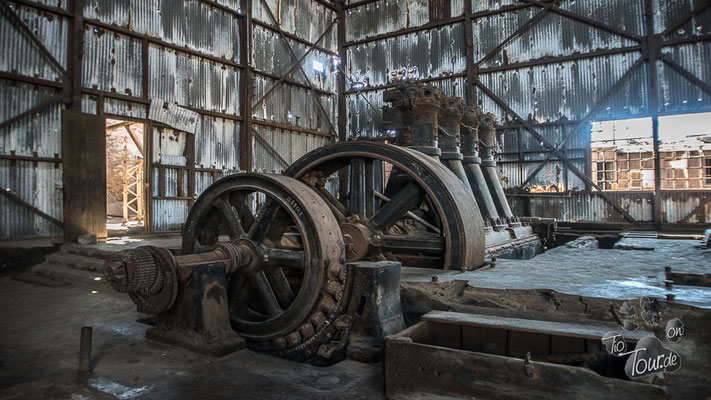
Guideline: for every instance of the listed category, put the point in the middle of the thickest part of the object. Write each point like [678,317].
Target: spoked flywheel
[294,285]
[399,205]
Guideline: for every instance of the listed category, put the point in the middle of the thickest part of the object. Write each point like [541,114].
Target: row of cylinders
[461,137]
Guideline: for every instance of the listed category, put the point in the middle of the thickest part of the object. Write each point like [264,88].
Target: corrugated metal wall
[290,122]
[553,72]
[193,55]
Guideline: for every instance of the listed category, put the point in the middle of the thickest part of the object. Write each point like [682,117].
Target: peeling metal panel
[552,36]
[19,54]
[217,144]
[293,105]
[676,93]
[686,206]
[289,144]
[111,62]
[192,81]
[568,89]
[271,55]
[306,19]
[426,54]
[39,186]
[168,147]
[385,16]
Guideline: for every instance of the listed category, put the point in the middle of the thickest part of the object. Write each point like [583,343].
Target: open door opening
[125,177]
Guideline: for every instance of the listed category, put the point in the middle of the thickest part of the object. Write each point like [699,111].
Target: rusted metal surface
[455,235]
[85,351]
[287,272]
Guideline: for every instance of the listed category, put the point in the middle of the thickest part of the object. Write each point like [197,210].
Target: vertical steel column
[652,50]
[469,96]
[246,143]
[341,90]
[75,52]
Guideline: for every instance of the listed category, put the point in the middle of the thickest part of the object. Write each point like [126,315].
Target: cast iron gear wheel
[287,299]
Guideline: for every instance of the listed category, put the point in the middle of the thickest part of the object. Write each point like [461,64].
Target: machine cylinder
[472,164]
[487,133]
[450,117]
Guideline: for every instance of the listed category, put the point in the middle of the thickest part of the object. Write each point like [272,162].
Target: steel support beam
[306,77]
[30,207]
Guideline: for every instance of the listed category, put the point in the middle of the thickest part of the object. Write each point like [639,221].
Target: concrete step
[86,251]
[75,277]
[75,261]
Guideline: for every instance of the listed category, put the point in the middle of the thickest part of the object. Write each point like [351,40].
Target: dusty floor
[39,348]
[605,273]
[39,344]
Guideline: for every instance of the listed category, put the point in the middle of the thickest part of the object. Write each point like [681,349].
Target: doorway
[125,177]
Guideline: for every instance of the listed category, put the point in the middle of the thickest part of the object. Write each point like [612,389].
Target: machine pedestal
[199,320]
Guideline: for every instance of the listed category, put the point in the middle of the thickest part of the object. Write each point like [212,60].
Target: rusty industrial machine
[289,265]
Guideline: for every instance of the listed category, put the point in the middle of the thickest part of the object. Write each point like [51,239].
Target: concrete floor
[603,273]
[39,339]
[39,345]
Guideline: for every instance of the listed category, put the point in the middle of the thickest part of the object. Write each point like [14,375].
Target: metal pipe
[85,352]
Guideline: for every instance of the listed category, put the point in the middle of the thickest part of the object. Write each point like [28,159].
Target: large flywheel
[399,205]
[292,285]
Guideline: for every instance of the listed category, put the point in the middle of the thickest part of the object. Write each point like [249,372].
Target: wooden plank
[528,325]
[84,174]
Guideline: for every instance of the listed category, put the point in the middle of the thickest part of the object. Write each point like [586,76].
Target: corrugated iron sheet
[41,187]
[271,55]
[289,144]
[125,108]
[589,206]
[186,23]
[552,36]
[666,13]
[686,206]
[293,105]
[168,147]
[627,15]
[385,16]
[192,81]
[111,62]
[217,144]
[676,93]
[40,132]
[19,54]
[306,19]
[568,90]
[426,54]
[168,215]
